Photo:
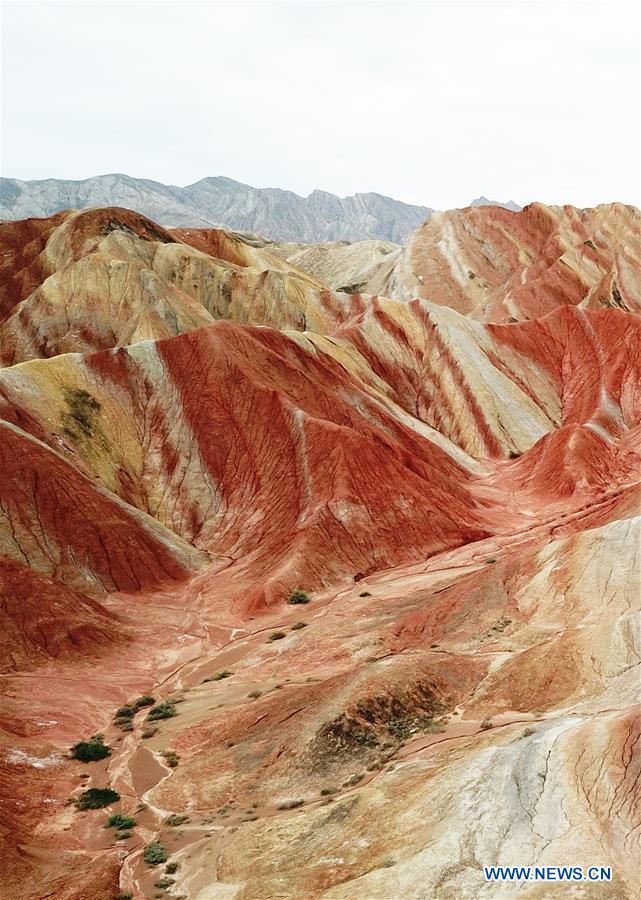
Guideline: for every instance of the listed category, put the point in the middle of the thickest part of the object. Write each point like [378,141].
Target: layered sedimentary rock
[106,278]
[192,428]
[501,266]
[342,266]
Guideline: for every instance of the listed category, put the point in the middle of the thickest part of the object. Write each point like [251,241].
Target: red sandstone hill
[499,265]
[191,428]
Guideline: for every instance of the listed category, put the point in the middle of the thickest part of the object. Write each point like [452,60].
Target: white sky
[429,102]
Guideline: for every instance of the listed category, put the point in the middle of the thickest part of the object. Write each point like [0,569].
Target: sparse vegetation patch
[120,821]
[154,854]
[164,710]
[91,750]
[218,676]
[82,417]
[176,819]
[96,798]
[171,758]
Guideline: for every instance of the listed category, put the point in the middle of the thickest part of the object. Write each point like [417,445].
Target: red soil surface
[458,500]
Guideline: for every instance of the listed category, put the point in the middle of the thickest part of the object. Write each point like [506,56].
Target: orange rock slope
[192,429]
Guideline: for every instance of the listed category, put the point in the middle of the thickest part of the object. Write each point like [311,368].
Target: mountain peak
[278,214]
[483,201]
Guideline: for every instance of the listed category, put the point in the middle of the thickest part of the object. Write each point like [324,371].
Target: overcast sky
[431,103]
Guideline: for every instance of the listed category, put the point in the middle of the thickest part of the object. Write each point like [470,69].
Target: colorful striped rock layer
[441,476]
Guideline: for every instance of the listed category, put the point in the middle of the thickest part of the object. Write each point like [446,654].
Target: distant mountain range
[277,214]
[483,201]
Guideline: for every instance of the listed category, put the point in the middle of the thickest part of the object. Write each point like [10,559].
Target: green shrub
[171,758]
[492,559]
[176,819]
[276,636]
[164,710]
[485,724]
[400,729]
[164,883]
[171,867]
[127,895]
[149,733]
[96,798]
[124,835]
[364,594]
[299,625]
[120,821]
[154,854]
[125,712]
[145,700]
[253,695]
[326,791]
[218,676]
[91,750]
[296,597]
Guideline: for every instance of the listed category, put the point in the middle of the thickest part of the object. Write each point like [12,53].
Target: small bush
[297,597]
[154,854]
[120,821]
[171,758]
[364,594]
[125,712]
[164,883]
[290,804]
[149,733]
[91,750]
[253,695]
[171,867]
[528,732]
[218,676]
[145,700]
[485,724]
[127,895]
[299,625]
[176,819]
[276,636]
[326,791]
[164,710]
[124,835]
[400,728]
[96,798]
[492,559]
